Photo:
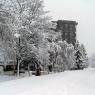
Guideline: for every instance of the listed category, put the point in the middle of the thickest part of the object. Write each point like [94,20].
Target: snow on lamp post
[17,35]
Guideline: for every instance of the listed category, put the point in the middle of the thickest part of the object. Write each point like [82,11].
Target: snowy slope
[66,83]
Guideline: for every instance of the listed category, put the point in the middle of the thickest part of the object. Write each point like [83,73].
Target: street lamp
[17,35]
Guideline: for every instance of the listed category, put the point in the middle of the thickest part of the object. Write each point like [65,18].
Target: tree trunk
[29,70]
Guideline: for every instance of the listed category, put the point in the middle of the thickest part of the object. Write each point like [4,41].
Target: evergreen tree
[79,61]
[84,55]
[81,56]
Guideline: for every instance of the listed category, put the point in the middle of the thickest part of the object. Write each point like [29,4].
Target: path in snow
[66,83]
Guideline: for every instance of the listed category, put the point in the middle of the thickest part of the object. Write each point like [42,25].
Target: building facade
[68,30]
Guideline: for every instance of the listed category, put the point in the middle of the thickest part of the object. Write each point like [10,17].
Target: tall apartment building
[68,30]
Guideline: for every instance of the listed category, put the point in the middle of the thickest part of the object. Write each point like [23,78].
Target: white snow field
[4,78]
[80,82]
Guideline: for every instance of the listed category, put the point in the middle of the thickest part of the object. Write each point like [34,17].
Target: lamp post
[17,35]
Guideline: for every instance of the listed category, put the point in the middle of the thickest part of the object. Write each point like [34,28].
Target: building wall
[68,30]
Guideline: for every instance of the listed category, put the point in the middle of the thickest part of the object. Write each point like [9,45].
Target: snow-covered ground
[4,78]
[66,83]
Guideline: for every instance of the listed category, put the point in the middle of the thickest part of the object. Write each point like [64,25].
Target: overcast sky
[83,11]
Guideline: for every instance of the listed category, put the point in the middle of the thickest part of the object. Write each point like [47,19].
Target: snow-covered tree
[43,54]
[28,20]
[84,55]
[81,56]
[70,56]
[6,39]
[92,61]
[67,54]
[54,51]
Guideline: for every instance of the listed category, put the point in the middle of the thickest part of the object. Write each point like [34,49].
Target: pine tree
[81,56]
[84,56]
[79,61]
